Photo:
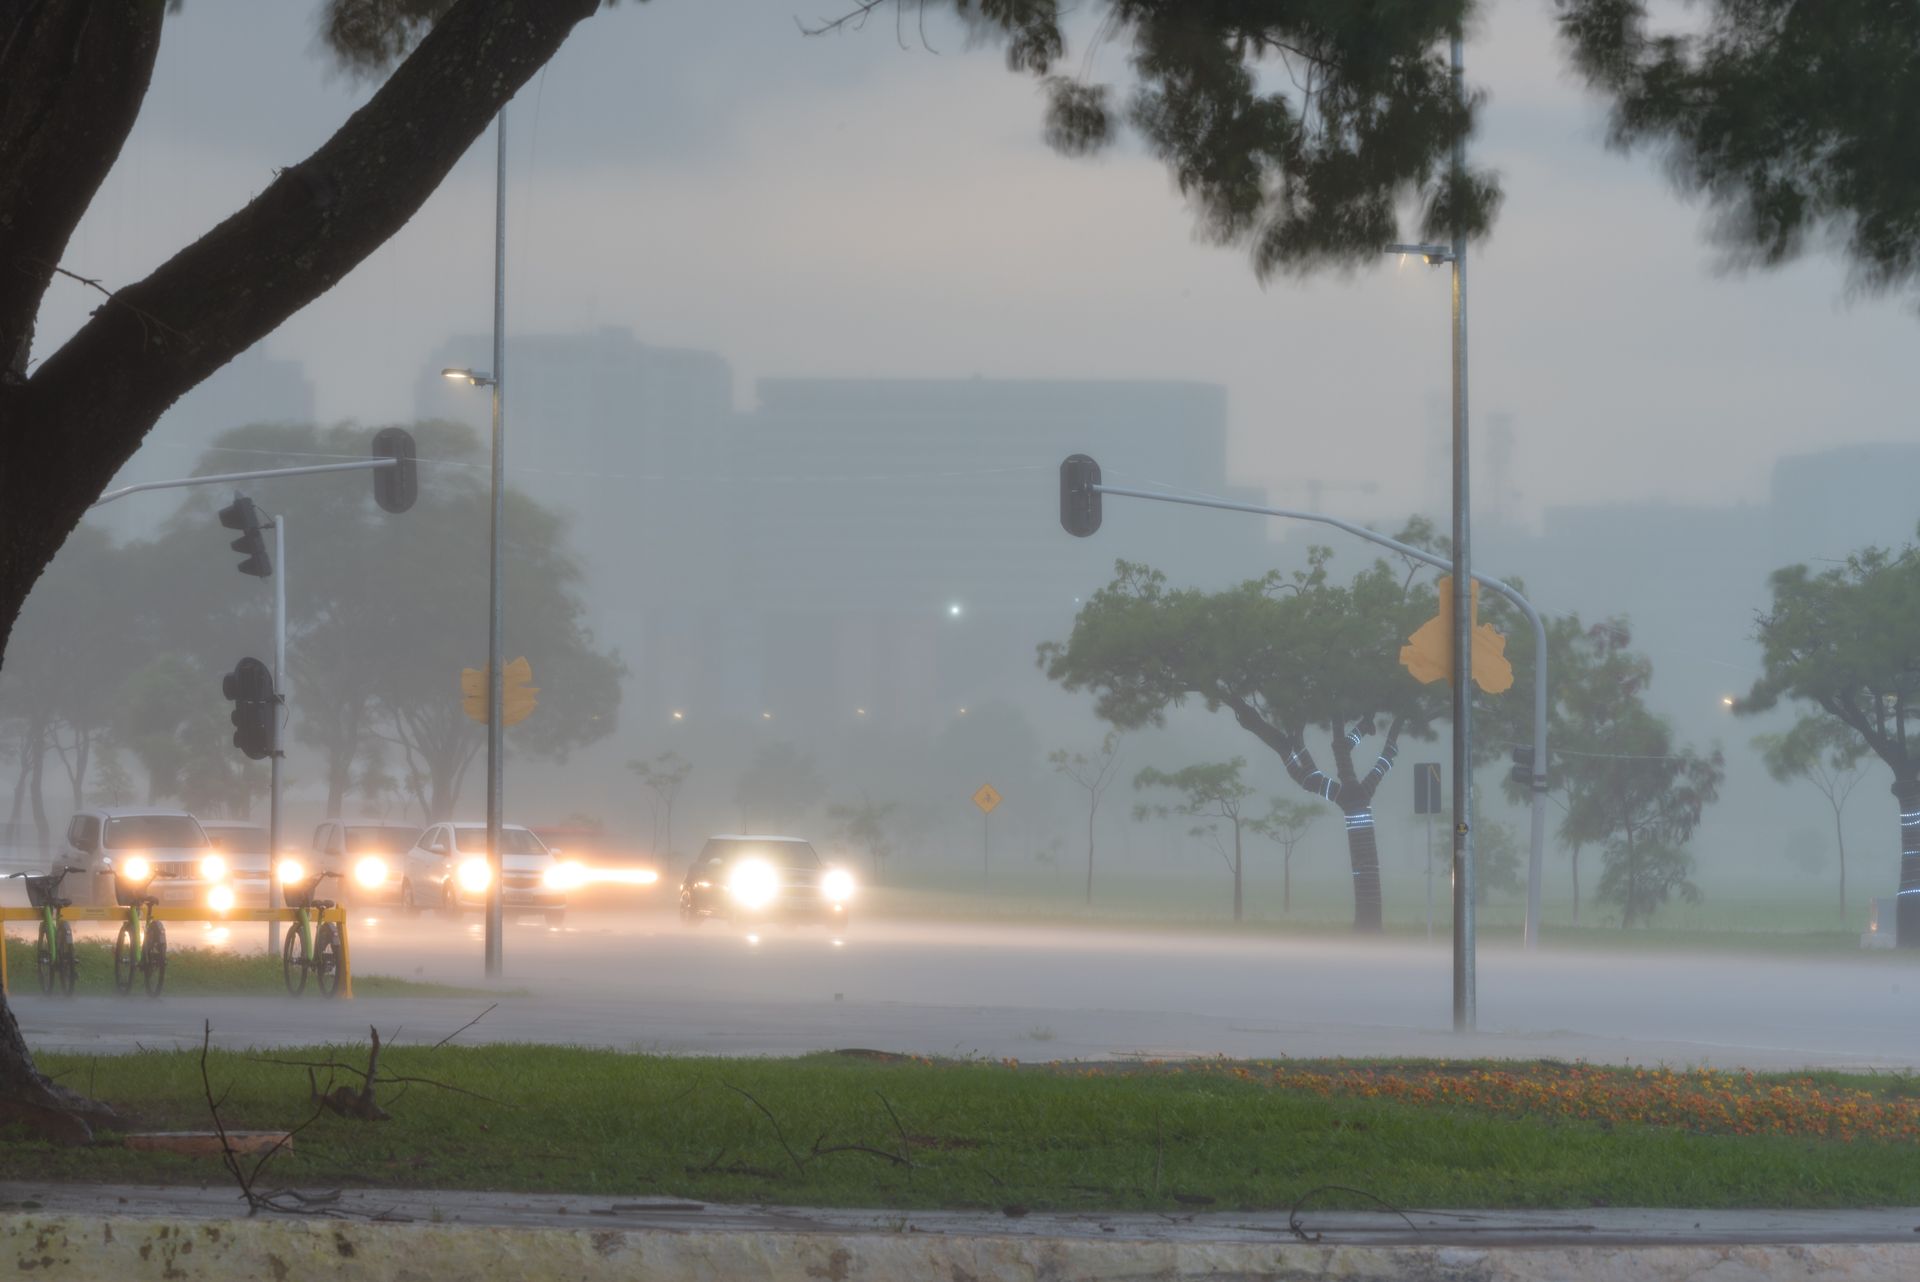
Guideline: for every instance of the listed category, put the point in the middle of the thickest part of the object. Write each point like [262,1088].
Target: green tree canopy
[1213,793]
[1285,655]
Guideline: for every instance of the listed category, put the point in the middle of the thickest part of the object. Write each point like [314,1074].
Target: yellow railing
[338,916]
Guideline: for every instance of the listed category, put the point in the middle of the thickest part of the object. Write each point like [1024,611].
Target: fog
[798,333]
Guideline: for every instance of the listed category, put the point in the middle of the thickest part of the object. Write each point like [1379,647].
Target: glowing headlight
[753,883]
[291,871]
[837,885]
[475,876]
[220,898]
[371,872]
[646,876]
[564,876]
[137,868]
[212,868]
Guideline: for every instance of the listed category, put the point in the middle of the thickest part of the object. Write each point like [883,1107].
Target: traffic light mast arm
[358,465]
[1441,563]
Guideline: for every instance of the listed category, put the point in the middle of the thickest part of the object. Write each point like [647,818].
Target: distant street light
[954,610]
[472,378]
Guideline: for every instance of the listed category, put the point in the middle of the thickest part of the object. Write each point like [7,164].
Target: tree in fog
[1093,772]
[1844,645]
[1285,655]
[869,825]
[1827,754]
[1632,790]
[778,789]
[174,723]
[662,776]
[1286,824]
[1213,794]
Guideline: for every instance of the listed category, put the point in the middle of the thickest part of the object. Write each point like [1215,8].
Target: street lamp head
[1435,255]
[473,378]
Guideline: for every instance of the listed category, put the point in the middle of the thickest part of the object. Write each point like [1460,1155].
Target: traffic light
[1523,766]
[255,707]
[395,488]
[245,516]
[1079,501]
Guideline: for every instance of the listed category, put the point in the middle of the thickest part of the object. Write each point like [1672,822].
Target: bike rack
[338,916]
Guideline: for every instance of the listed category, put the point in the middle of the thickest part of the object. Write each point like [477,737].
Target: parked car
[764,878]
[242,847]
[447,869]
[168,846]
[369,857]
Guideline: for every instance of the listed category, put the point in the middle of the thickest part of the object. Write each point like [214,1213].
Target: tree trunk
[1286,882]
[1093,804]
[1363,856]
[1840,844]
[1633,882]
[1576,885]
[1237,870]
[1906,913]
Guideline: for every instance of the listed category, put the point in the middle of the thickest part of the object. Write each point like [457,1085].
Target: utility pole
[1465,1003]
[495,641]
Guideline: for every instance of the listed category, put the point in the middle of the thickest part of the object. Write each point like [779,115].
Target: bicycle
[54,960]
[141,946]
[309,951]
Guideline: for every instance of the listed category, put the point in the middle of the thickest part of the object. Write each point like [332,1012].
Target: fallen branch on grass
[820,1146]
[348,1102]
[230,1158]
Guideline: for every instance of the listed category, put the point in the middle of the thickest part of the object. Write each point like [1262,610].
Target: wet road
[1036,993]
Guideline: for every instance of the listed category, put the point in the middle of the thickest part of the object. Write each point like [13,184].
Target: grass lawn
[859,1129]
[203,970]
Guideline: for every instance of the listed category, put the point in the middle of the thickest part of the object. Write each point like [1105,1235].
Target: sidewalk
[134,1232]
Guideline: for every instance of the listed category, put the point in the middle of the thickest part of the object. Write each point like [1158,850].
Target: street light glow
[954,609]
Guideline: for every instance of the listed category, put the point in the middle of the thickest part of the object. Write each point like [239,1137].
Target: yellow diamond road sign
[987,798]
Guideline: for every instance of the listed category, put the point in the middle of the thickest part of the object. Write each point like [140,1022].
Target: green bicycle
[54,961]
[141,948]
[309,950]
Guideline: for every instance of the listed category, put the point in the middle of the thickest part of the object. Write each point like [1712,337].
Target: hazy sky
[845,206]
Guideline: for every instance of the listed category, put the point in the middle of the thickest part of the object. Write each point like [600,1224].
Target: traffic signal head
[1523,766]
[244,515]
[395,488]
[1079,501]
[255,707]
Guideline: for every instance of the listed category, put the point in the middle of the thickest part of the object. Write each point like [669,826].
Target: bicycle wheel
[124,962]
[43,959]
[66,965]
[153,958]
[293,961]
[326,960]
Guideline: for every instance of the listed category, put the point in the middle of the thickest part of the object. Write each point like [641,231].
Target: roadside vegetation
[863,1128]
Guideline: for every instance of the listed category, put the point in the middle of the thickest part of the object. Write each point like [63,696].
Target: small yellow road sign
[1428,654]
[516,697]
[987,798]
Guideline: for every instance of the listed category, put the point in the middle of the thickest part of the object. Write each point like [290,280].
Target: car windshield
[513,841]
[153,830]
[786,854]
[238,840]
[361,840]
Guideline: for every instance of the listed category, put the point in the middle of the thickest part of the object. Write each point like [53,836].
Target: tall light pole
[495,641]
[1465,1005]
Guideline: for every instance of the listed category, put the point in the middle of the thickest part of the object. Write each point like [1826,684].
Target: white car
[242,847]
[165,851]
[447,869]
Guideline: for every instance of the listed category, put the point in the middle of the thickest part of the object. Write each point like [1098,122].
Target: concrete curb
[123,1248]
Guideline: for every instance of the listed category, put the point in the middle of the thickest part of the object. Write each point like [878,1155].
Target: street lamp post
[495,640]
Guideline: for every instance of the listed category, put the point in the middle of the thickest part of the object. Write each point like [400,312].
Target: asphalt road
[1041,993]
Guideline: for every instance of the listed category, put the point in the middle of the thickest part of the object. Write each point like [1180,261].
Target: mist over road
[644,982]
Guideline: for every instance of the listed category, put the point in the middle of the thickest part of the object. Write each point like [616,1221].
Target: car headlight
[475,876]
[137,868]
[291,871]
[753,883]
[837,885]
[564,876]
[371,872]
[220,899]
[212,868]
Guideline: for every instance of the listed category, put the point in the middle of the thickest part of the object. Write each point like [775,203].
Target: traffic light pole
[281,704]
[1539,787]
[496,679]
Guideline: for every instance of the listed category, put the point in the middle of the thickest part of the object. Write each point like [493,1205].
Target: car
[168,846]
[368,855]
[242,847]
[446,868]
[739,878]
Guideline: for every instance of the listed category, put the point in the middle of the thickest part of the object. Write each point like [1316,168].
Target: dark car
[764,879]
